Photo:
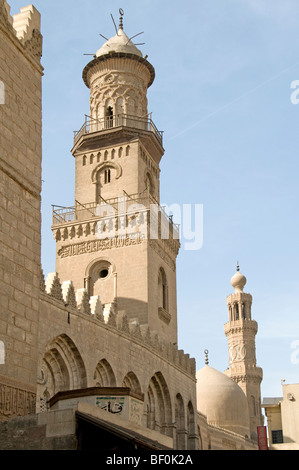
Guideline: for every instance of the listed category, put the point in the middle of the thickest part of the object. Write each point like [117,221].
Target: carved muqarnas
[35,44]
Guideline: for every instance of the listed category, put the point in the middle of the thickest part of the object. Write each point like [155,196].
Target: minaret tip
[238,267]
[121,12]
[206,357]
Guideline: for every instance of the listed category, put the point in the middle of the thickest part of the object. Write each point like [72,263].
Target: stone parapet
[92,310]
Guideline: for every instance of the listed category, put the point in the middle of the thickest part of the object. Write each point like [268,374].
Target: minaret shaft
[112,242]
[241,331]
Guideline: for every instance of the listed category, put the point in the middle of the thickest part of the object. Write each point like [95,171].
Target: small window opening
[107,176]
[164,296]
[237,311]
[104,273]
[277,437]
[109,116]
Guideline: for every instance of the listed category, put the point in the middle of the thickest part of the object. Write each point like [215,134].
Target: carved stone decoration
[147,336]
[111,319]
[68,293]
[82,299]
[122,322]
[43,376]
[96,245]
[164,315]
[125,324]
[15,401]
[5,15]
[136,331]
[237,352]
[96,307]
[42,282]
[35,44]
[53,286]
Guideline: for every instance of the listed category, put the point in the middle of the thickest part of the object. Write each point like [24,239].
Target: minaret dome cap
[119,43]
[238,281]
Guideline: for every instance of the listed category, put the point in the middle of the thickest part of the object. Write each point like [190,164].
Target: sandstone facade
[91,349]
[20,175]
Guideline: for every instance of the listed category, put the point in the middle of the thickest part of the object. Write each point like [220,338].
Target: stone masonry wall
[20,220]
[79,348]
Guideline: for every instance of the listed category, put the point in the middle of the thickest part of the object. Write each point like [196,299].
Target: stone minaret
[240,331]
[116,242]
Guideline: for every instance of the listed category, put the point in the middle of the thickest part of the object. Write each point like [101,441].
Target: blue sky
[222,97]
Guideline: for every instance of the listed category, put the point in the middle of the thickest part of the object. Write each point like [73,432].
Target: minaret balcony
[117,217]
[241,325]
[112,123]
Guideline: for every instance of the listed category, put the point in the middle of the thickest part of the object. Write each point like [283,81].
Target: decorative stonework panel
[96,245]
[15,402]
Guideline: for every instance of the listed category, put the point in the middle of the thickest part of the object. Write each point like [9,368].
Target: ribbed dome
[222,401]
[119,43]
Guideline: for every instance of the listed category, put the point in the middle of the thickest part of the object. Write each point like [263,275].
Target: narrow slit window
[107,176]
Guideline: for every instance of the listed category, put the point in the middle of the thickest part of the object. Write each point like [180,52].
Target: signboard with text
[262,437]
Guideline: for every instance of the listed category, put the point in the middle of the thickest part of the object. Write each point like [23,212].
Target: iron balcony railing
[121,205]
[120,120]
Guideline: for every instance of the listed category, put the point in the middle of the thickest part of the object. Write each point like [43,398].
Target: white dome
[222,401]
[238,281]
[119,43]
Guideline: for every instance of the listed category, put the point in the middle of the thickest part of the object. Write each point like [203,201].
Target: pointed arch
[158,405]
[180,422]
[109,113]
[131,381]
[149,184]
[62,367]
[191,428]
[102,166]
[104,375]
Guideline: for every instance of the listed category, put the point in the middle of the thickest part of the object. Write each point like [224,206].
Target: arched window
[163,290]
[132,382]
[84,160]
[158,406]
[237,310]
[180,423]
[109,116]
[104,375]
[127,150]
[149,183]
[230,310]
[62,367]
[107,175]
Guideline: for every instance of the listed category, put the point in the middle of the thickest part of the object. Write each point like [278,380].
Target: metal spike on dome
[121,12]
[238,267]
[206,357]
